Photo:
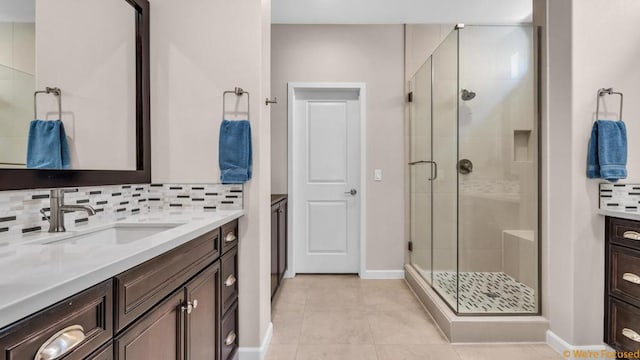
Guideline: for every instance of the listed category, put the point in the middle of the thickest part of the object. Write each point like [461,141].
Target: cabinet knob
[231,338]
[188,308]
[230,280]
[231,237]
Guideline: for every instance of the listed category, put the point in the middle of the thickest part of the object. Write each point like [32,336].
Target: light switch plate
[377,175]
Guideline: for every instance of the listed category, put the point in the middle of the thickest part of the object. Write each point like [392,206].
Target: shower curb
[476,329]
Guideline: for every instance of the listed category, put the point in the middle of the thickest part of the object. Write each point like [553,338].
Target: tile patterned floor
[318,317]
[482,292]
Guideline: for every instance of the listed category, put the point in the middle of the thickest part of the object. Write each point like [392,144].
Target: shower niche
[474,121]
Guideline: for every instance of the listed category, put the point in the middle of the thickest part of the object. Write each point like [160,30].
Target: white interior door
[325,174]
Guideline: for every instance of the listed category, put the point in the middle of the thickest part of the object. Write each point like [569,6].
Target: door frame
[291,99]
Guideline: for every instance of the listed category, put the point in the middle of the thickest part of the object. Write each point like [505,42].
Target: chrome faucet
[57,209]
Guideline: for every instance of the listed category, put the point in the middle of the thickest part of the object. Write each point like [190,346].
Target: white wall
[92,60]
[199,49]
[372,54]
[580,37]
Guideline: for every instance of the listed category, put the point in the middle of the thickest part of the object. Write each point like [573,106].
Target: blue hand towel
[235,153]
[607,153]
[47,146]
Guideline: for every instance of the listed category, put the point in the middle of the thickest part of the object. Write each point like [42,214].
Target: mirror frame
[20,179]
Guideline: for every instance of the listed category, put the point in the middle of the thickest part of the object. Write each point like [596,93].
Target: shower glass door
[420,170]
[444,153]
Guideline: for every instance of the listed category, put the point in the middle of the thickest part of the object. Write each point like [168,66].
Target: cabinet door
[202,330]
[158,335]
[274,248]
[105,353]
[282,239]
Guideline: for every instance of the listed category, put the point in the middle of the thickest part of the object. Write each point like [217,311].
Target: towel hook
[268,101]
[607,91]
[238,91]
[48,90]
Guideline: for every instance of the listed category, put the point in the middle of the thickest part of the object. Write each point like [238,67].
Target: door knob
[352,192]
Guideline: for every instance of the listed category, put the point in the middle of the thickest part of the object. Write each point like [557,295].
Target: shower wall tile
[20,210]
[620,197]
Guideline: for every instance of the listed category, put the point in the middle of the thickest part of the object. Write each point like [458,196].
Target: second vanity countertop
[34,276]
[276,198]
[620,214]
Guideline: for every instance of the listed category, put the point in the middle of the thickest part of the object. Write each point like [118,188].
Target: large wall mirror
[74,93]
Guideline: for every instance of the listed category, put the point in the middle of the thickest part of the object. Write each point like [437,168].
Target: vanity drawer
[229,342]
[87,314]
[625,273]
[229,236]
[624,327]
[624,232]
[229,266]
[139,289]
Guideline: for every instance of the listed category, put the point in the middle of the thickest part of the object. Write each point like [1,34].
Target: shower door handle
[434,167]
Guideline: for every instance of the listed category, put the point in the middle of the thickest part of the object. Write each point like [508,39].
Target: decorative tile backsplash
[620,197]
[195,196]
[20,210]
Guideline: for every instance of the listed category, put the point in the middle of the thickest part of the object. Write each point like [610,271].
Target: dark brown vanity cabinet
[279,239]
[183,326]
[622,284]
[83,322]
[181,305]
[229,337]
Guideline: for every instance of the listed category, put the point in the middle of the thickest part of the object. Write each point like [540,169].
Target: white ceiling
[17,10]
[400,11]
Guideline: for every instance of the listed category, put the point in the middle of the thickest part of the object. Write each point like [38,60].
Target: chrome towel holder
[238,91]
[608,91]
[48,90]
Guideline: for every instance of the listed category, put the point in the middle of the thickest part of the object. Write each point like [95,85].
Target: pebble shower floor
[486,292]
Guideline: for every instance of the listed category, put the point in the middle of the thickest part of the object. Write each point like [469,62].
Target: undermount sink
[117,234]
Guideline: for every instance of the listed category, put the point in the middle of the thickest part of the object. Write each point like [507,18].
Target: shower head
[467,95]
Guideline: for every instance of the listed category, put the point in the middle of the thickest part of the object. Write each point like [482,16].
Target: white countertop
[620,214]
[35,276]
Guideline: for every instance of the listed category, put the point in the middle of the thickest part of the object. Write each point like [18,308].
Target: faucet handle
[44,213]
[57,193]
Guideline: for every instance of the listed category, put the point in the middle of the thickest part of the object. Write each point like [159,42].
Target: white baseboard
[255,353]
[382,274]
[569,351]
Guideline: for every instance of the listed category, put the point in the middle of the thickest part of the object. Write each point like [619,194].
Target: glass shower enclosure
[474,164]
